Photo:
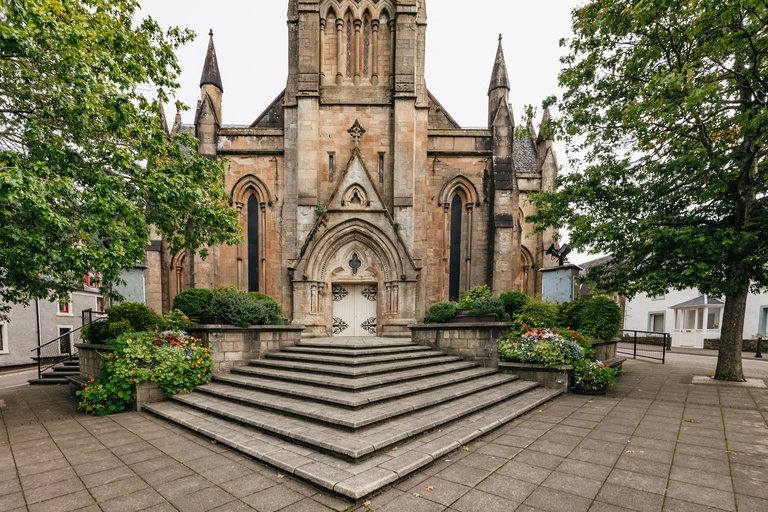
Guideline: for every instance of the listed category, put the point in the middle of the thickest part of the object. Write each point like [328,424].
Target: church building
[362,201]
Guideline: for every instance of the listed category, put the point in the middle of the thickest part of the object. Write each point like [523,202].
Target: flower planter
[463,319]
[551,377]
[462,311]
[590,388]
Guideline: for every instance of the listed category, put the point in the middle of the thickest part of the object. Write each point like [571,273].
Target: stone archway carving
[462,186]
[355,197]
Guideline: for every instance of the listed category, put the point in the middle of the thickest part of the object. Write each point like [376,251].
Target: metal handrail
[54,359]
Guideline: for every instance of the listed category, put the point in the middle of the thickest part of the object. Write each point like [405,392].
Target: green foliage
[544,346]
[570,313]
[175,361]
[262,296]
[440,312]
[594,372]
[243,309]
[319,210]
[537,313]
[487,307]
[601,318]
[176,321]
[513,301]
[476,293]
[85,167]
[193,302]
[664,106]
[123,318]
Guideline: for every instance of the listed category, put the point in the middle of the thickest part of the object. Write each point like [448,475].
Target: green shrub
[262,296]
[125,317]
[570,313]
[537,313]
[487,307]
[476,293]
[193,302]
[601,318]
[440,312]
[513,301]
[243,309]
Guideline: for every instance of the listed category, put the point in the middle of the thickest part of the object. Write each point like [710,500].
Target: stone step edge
[305,342]
[351,352]
[354,362]
[272,385]
[353,455]
[366,371]
[297,412]
[412,458]
[349,384]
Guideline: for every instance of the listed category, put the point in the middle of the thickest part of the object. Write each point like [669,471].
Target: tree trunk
[731,337]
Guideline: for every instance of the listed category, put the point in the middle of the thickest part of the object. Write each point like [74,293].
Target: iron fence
[646,344]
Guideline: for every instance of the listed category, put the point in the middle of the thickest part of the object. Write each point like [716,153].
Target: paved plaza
[656,442]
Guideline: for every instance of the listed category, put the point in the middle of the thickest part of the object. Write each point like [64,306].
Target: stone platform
[353,415]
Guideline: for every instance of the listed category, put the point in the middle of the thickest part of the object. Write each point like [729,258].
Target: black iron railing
[63,348]
[647,344]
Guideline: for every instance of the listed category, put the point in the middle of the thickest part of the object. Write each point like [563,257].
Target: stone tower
[362,201]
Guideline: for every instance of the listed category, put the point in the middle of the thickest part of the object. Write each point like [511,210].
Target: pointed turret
[545,130]
[211,73]
[499,87]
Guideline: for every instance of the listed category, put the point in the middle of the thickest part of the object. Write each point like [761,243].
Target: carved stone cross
[355,263]
[356,132]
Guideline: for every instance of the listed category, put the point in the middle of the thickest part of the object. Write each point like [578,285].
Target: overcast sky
[251,39]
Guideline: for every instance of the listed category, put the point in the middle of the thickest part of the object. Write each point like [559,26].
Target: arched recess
[459,185]
[178,273]
[527,281]
[355,197]
[458,198]
[252,197]
[454,250]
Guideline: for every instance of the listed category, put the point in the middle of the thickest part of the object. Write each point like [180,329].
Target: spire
[211,73]
[500,77]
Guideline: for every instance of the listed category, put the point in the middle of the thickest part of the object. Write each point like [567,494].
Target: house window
[99,304]
[3,338]
[92,280]
[65,346]
[656,322]
[253,244]
[763,322]
[64,308]
[713,319]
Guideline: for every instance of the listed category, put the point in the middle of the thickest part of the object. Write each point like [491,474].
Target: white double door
[355,308]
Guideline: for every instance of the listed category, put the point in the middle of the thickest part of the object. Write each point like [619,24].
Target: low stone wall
[147,393]
[472,341]
[90,359]
[552,378]
[233,346]
[605,350]
[746,345]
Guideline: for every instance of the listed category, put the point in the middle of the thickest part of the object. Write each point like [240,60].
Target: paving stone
[274,498]
[506,487]
[675,505]
[53,490]
[639,481]
[203,500]
[573,484]
[306,505]
[182,486]
[136,501]
[630,498]
[464,474]
[439,490]
[702,495]
[411,504]
[117,489]
[10,501]
[519,470]
[365,483]
[74,501]
[479,501]
[553,500]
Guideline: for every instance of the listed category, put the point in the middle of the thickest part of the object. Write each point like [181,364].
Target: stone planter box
[605,350]
[147,393]
[548,377]
[472,341]
[233,346]
[90,359]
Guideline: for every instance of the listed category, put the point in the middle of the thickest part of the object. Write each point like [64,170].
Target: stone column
[392,25]
[239,281]
[322,51]
[470,224]
[375,70]
[358,24]
[339,50]
[263,243]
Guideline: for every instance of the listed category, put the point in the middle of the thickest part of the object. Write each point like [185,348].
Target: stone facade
[356,157]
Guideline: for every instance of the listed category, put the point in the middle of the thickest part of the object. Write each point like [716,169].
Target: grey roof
[524,155]
[211,73]
[701,300]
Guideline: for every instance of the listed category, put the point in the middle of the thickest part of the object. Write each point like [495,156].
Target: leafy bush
[594,372]
[476,293]
[601,318]
[123,318]
[513,301]
[175,361]
[537,313]
[440,312]
[176,321]
[487,307]
[544,346]
[570,313]
[243,309]
[193,302]
[262,296]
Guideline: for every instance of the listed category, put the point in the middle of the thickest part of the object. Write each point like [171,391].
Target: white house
[690,317]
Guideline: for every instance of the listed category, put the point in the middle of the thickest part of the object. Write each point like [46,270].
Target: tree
[665,107]
[85,167]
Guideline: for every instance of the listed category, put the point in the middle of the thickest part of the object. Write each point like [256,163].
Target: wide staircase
[353,416]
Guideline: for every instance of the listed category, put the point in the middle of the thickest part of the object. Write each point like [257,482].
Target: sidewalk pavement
[656,442]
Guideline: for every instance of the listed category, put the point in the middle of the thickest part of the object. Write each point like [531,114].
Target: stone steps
[332,411]
[338,382]
[354,480]
[335,415]
[353,399]
[334,369]
[353,361]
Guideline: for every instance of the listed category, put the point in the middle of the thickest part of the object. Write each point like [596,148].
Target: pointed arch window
[454,280]
[366,45]
[349,47]
[253,244]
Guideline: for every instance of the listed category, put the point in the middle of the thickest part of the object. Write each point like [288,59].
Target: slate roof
[439,118]
[524,155]
[699,301]
[273,116]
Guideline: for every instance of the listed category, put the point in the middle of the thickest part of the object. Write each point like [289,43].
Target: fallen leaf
[514,421]
[395,449]
[367,504]
[630,451]
[280,476]
[439,430]
[691,421]
[416,494]
[213,441]
[732,453]
[430,488]
[465,448]
[590,401]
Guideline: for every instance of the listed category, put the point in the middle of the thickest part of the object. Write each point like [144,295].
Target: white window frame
[762,320]
[651,314]
[71,307]
[4,333]
[58,334]
[96,307]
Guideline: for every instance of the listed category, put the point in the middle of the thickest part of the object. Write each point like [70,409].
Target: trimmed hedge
[601,318]
[193,302]
[440,312]
[487,307]
[537,313]
[244,309]
[125,317]
[513,301]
